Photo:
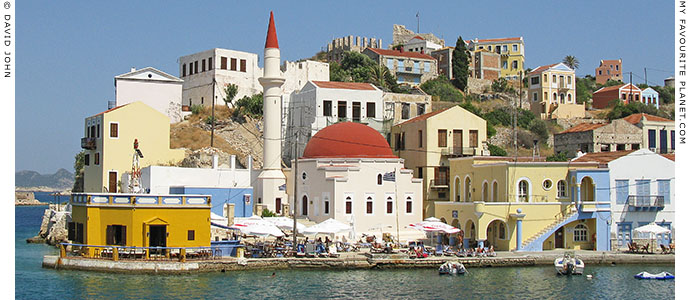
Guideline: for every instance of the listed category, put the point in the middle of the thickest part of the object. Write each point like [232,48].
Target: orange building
[605,96]
[609,69]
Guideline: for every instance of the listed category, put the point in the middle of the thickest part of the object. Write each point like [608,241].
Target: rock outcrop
[25,198]
[53,227]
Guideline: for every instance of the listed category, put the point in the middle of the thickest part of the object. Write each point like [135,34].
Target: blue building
[242,198]
[650,97]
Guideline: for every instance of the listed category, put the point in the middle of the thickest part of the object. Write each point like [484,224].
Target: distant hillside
[61,180]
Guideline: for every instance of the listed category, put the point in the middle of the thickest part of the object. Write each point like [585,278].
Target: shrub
[490,130]
[496,150]
[538,127]
[442,88]
[249,106]
[561,156]
[209,120]
[499,85]
[197,108]
[267,213]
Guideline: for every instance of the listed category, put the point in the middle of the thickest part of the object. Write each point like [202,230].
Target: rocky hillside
[61,180]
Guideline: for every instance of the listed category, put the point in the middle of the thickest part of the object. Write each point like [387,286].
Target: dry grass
[186,135]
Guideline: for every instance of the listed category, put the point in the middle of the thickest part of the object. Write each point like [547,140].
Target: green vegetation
[501,85]
[267,213]
[460,64]
[197,108]
[621,110]
[357,67]
[443,88]
[78,172]
[538,127]
[230,93]
[571,62]
[209,120]
[666,94]
[561,156]
[249,106]
[584,88]
[496,150]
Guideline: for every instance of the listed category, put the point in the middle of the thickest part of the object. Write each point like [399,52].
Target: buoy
[589,276]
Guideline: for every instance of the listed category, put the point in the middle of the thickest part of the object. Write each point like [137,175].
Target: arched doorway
[470,233]
[587,189]
[305,205]
[468,189]
[496,234]
[485,191]
[458,193]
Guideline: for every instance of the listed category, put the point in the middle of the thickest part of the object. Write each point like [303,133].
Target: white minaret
[271,177]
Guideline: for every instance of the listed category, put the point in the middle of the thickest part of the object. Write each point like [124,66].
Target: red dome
[347,139]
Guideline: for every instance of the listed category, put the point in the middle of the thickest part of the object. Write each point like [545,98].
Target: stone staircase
[535,242]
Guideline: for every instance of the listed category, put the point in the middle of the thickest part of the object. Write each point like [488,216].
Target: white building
[341,176]
[297,74]
[642,191]
[154,87]
[419,44]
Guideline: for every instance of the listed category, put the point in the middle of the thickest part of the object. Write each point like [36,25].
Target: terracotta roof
[398,53]
[583,127]
[107,111]
[418,37]
[636,118]
[344,85]
[496,40]
[541,69]
[425,116]
[512,159]
[348,140]
[671,156]
[603,157]
[615,87]
[271,37]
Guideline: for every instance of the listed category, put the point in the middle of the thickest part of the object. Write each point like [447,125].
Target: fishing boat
[452,268]
[661,276]
[569,265]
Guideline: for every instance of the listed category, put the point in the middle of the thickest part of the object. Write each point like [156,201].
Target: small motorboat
[660,276]
[569,265]
[452,268]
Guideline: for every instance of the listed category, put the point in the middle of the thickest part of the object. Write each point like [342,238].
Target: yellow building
[140,220]
[511,50]
[109,144]
[552,92]
[527,204]
[428,141]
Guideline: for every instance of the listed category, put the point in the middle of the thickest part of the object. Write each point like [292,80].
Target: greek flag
[282,187]
[390,176]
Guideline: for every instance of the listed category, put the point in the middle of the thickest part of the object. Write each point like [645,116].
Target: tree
[251,106]
[230,93]
[442,88]
[560,156]
[571,62]
[460,64]
[78,172]
[496,150]
[337,73]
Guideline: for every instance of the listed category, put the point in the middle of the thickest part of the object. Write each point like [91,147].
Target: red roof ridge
[583,127]
[107,111]
[425,116]
[603,157]
[344,85]
[542,68]
[271,36]
[399,53]
[636,118]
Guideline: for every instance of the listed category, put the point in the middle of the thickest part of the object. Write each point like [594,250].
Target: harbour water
[608,282]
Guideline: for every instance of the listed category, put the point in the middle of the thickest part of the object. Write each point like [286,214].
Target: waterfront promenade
[354,260]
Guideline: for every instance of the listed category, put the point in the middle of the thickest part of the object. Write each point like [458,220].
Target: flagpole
[397,224]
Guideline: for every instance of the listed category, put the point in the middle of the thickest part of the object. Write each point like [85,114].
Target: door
[278,205]
[457,142]
[157,237]
[559,238]
[356,111]
[664,238]
[305,203]
[663,135]
[112,182]
[624,235]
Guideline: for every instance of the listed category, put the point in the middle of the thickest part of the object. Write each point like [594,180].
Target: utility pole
[294,175]
[213,109]
[645,76]
[521,89]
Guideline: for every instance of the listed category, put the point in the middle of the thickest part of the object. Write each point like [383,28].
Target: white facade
[420,45]
[297,74]
[155,88]
[325,186]
[635,181]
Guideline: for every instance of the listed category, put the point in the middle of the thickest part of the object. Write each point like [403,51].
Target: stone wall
[401,35]
[478,86]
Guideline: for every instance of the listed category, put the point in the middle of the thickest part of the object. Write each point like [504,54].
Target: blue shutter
[621,191]
[664,187]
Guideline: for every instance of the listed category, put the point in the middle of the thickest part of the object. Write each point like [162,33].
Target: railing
[646,201]
[116,253]
[459,151]
[88,143]
[439,183]
[530,198]
[118,199]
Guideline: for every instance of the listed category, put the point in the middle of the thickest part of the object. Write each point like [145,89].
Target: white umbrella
[285,223]
[432,219]
[433,226]
[330,226]
[352,235]
[258,229]
[650,229]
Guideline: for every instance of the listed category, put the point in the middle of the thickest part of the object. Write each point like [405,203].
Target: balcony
[88,143]
[439,183]
[645,203]
[410,70]
[459,151]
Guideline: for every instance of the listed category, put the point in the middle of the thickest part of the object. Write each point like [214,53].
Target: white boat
[569,265]
[452,268]
[662,275]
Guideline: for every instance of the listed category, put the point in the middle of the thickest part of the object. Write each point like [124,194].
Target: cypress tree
[460,64]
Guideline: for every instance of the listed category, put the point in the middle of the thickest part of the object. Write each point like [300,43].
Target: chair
[672,247]
[645,248]
[310,250]
[439,250]
[333,251]
[665,250]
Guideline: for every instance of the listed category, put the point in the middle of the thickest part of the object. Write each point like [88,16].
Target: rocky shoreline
[26,199]
[53,226]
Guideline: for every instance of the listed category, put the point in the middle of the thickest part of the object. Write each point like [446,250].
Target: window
[442,138]
[474,138]
[599,72]
[92,130]
[348,205]
[356,111]
[616,67]
[97,159]
[534,80]
[401,66]
[342,109]
[233,64]
[371,109]
[191,68]
[327,108]
[98,130]
[190,235]
[184,70]
[420,172]
[415,66]
[427,67]
[546,78]
[421,109]
[562,189]
[515,64]
[534,97]
[116,235]
[664,187]
[390,64]
[505,48]
[203,65]
[224,63]
[389,205]
[554,78]
[441,175]
[502,231]
[75,232]
[637,97]
[623,96]
[196,67]
[515,48]
[379,179]
[326,205]
[210,64]
[651,134]
[243,65]
[402,141]
[523,191]
[505,65]
[86,159]
[580,233]
[370,205]
[113,130]
[408,205]
[642,187]
[494,192]
[397,141]
[405,111]
[547,184]
[570,98]
[673,140]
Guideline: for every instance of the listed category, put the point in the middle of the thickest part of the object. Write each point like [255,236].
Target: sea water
[539,282]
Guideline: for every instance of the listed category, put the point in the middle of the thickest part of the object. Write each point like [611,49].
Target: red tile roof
[636,118]
[271,37]
[583,127]
[107,111]
[671,156]
[541,69]
[615,87]
[497,40]
[348,139]
[418,37]
[344,85]
[398,53]
[603,157]
[425,116]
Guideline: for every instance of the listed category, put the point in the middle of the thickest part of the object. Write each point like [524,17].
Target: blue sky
[68,52]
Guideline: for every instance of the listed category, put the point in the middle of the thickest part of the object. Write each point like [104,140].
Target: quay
[359,260]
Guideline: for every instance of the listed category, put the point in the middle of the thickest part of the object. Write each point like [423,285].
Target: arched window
[562,189]
[370,206]
[494,192]
[485,191]
[348,205]
[502,230]
[458,186]
[555,98]
[580,233]
[468,190]
[523,191]
[379,179]
[570,98]
[305,203]
[562,98]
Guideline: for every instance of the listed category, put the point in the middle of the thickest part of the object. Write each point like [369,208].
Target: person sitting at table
[327,242]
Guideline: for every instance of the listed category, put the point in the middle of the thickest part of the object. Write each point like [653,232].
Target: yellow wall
[559,110]
[570,243]
[135,121]
[178,220]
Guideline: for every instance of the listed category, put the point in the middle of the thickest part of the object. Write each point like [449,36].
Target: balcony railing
[650,202]
[88,143]
[459,151]
[439,183]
